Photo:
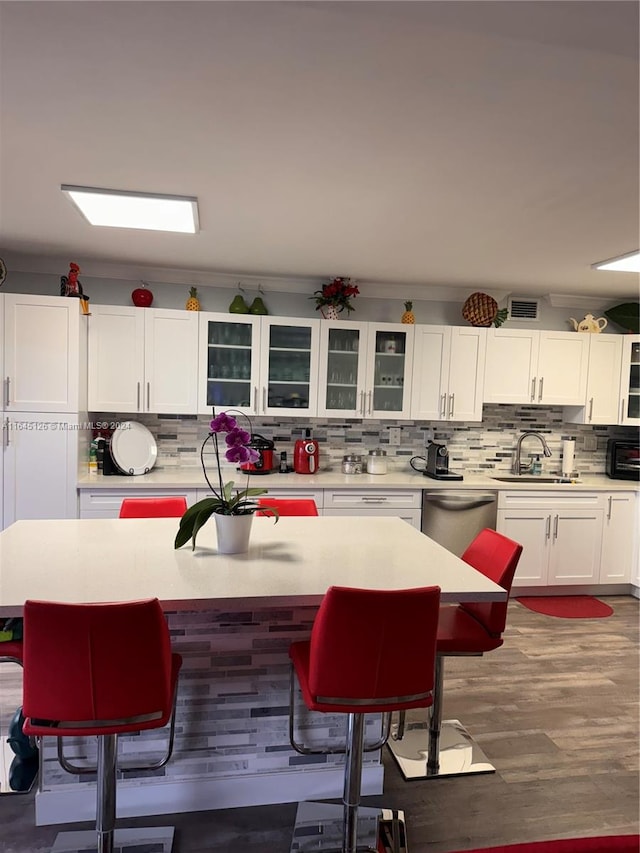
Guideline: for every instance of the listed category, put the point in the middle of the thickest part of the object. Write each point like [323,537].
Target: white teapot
[589,324]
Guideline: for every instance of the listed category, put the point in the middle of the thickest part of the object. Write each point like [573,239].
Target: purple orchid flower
[239,453]
[223,423]
[237,436]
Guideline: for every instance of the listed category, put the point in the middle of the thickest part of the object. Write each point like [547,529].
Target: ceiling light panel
[624,263]
[147,211]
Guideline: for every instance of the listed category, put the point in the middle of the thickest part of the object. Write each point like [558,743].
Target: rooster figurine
[70,286]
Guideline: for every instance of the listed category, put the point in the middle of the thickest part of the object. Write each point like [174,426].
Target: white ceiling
[472,145]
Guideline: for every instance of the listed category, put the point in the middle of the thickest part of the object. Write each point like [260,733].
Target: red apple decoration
[142,297]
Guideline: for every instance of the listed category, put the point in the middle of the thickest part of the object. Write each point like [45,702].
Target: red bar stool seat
[371,651]
[171,507]
[289,506]
[84,676]
[447,749]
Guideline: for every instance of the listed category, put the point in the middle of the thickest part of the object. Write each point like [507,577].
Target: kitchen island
[232,618]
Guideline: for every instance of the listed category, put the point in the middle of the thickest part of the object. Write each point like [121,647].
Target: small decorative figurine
[193,303]
[70,286]
[142,297]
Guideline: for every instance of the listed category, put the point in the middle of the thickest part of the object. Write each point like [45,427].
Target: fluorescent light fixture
[149,211]
[623,263]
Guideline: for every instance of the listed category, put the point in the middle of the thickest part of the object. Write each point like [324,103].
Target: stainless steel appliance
[623,459]
[453,518]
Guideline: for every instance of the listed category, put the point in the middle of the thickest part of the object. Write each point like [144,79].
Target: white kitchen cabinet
[619,545]
[258,365]
[547,368]
[142,360]
[106,503]
[42,354]
[561,535]
[602,401]
[448,373]
[365,370]
[630,381]
[402,503]
[40,466]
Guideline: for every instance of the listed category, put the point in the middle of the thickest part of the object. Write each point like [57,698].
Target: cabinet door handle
[6,430]
[540,389]
[548,529]
[362,402]
[590,410]
[452,398]
[264,399]
[148,396]
[255,399]
[443,406]
[373,500]
[138,398]
[7,398]
[555,528]
[622,407]
[610,505]
[533,389]
[370,396]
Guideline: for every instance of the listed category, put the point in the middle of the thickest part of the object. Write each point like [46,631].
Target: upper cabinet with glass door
[630,380]
[229,362]
[365,369]
[258,365]
[288,367]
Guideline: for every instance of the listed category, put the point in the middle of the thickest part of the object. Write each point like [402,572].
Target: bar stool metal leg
[432,749]
[352,779]
[106,804]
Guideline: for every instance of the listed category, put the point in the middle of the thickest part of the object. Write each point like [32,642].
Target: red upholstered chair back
[496,557]
[173,507]
[289,506]
[374,644]
[95,661]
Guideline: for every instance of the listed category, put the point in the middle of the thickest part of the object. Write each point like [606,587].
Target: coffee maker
[438,463]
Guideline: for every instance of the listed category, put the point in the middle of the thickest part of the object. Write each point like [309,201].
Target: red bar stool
[371,651]
[172,507]
[83,676]
[463,629]
[289,506]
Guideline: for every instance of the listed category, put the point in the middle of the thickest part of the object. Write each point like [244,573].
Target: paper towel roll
[568,452]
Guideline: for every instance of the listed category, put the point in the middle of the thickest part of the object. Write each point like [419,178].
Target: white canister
[377,462]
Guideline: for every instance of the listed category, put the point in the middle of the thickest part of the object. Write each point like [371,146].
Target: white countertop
[192,478]
[291,562]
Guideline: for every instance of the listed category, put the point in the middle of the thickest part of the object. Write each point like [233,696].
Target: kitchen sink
[524,479]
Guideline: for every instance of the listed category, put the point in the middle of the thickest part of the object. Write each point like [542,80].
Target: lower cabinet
[619,557]
[105,503]
[571,538]
[402,503]
[561,535]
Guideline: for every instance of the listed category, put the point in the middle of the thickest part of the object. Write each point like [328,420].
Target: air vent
[523,309]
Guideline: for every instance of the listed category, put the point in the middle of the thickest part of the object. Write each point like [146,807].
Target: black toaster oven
[623,459]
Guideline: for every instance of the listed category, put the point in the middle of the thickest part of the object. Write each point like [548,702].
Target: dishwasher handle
[458,501]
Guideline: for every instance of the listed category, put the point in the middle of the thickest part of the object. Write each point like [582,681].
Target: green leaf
[626,315]
[201,519]
[188,520]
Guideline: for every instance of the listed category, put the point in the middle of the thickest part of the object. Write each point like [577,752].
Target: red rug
[568,606]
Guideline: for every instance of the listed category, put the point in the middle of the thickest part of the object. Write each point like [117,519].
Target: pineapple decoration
[408,316]
[193,303]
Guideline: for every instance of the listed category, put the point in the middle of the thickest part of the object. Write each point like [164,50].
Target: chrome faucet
[520,467]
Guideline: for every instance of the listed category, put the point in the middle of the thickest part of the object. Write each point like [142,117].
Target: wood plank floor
[555,710]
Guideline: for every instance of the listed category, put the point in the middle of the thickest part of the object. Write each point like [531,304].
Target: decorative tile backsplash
[473,447]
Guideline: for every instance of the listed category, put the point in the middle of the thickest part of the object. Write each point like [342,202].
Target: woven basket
[480,309]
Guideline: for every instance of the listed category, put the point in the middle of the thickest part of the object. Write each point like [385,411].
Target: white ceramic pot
[233,533]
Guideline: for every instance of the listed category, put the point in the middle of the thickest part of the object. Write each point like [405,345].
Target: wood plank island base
[232,617]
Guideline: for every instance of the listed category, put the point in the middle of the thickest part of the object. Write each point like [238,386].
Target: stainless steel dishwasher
[454,517]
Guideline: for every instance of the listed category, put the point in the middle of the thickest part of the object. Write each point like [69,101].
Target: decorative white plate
[133,448]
